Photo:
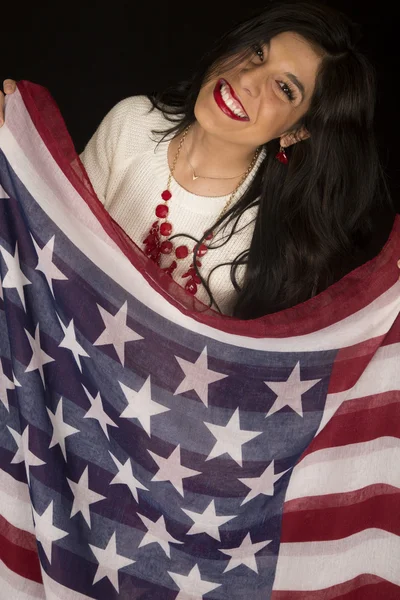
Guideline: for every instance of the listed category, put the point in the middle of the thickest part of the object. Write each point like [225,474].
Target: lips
[222,104]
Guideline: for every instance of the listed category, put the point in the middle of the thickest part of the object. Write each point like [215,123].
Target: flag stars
[157,533]
[97,412]
[230,438]
[244,554]
[45,263]
[61,429]
[83,496]
[47,533]
[140,405]
[109,562]
[192,586]
[39,357]
[263,484]
[14,277]
[198,376]
[125,476]
[70,342]
[117,332]
[289,392]
[171,469]
[207,521]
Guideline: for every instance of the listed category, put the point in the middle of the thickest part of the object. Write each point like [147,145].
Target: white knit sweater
[129,171]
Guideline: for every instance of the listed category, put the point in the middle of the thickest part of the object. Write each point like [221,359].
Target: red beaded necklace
[155,246]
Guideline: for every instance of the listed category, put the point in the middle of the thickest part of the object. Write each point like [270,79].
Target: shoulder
[132,121]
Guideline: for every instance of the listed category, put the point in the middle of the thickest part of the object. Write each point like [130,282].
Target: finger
[9,86]
[1,108]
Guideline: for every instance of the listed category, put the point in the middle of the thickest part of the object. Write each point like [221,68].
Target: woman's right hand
[9,86]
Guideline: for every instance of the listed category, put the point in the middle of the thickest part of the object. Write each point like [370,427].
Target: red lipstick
[222,104]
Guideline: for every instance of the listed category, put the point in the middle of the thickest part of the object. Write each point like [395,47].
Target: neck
[216,157]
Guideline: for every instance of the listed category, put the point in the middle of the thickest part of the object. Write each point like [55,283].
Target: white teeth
[231,102]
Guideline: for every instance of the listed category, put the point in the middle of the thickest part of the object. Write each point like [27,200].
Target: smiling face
[262,97]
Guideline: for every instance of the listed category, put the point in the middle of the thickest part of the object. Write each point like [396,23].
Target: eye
[258,51]
[287,90]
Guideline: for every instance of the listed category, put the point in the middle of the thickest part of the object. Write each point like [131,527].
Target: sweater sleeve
[98,156]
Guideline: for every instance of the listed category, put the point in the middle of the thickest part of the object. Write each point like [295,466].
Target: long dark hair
[315,212]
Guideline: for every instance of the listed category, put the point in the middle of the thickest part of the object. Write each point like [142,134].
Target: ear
[293,137]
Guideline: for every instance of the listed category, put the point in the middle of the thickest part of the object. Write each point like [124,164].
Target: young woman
[257,183]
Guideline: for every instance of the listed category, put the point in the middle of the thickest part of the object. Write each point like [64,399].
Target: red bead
[191,288]
[281,156]
[190,273]
[166,195]
[202,250]
[162,211]
[166,247]
[182,252]
[166,229]
[210,236]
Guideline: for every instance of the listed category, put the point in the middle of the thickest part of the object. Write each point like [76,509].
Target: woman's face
[264,96]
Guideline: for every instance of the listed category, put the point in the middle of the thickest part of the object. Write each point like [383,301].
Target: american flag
[151,449]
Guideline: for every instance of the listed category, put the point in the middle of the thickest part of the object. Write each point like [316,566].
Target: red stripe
[350,363]
[351,293]
[333,523]
[18,551]
[17,536]
[364,587]
[360,420]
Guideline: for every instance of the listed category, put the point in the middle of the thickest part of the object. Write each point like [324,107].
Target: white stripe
[353,330]
[381,375]
[15,587]
[15,503]
[346,468]
[311,566]
[57,591]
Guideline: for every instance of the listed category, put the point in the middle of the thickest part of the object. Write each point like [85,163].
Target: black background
[90,58]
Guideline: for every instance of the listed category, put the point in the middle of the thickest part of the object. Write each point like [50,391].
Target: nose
[251,81]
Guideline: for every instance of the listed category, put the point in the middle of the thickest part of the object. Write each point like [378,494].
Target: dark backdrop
[102,56]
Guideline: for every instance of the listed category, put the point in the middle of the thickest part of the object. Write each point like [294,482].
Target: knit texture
[129,170]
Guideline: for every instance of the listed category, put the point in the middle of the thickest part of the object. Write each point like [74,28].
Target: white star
[140,405]
[157,533]
[31,460]
[46,532]
[19,455]
[16,382]
[39,357]
[172,470]
[46,265]
[230,438]
[207,521]
[192,586]
[109,562]
[5,384]
[14,277]
[198,376]
[3,193]
[117,331]
[70,342]
[245,554]
[96,411]
[83,496]
[264,484]
[289,392]
[61,430]
[126,476]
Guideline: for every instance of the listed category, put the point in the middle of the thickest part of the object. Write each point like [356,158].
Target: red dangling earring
[281,156]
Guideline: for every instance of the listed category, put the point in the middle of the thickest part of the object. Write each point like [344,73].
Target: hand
[398,264]
[9,88]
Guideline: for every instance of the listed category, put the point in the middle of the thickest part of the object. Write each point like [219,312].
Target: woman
[267,171]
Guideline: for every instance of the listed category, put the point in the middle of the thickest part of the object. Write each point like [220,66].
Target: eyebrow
[297,83]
